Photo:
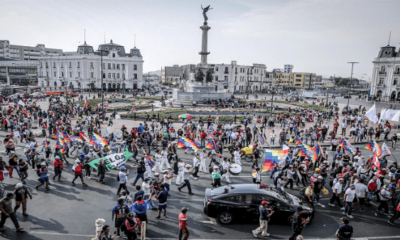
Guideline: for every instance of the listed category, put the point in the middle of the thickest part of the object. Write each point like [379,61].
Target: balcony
[236,72]
[382,73]
[379,85]
[396,73]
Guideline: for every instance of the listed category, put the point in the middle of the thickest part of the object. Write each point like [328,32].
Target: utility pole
[102,89]
[351,79]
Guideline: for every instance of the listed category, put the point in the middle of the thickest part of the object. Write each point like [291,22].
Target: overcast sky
[313,35]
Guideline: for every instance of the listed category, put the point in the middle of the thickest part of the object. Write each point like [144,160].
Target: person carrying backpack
[141,169]
[298,223]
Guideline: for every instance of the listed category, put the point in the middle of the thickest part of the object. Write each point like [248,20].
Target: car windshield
[283,196]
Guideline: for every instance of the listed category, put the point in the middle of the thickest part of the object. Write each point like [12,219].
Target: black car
[242,201]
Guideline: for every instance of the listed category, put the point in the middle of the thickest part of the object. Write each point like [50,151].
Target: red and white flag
[86,104]
[375,160]
[44,126]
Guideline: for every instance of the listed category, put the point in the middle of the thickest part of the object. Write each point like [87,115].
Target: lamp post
[102,90]
[272,101]
[351,79]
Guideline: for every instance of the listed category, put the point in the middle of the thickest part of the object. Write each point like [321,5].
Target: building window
[226,78]
[79,74]
[109,76]
[55,84]
[70,65]
[118,66]
[397,71]
[55,74]
[79,64]
[103,66]
[113,66]
[117,75]
[216,78]
[134,67]
[216,69]
[113,55]
[380,81]
[134,76]
[62,65]
[91,65]
[109,66]
[123,66]
[382,69]
[113,75]
[54,65]
[62,74]
[395,81]
[47,65]
[123,76]
[70,74]
[226,70]
[92,75]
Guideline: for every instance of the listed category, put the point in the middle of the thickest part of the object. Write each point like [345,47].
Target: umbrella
[186,116]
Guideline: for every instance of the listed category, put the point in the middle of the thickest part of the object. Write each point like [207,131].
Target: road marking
[82,235]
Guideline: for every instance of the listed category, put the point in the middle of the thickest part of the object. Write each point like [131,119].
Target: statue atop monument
[205,10]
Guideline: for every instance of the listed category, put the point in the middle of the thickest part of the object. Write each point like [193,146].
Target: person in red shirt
[183,230]
[77,168]
[203,136]
[58,167]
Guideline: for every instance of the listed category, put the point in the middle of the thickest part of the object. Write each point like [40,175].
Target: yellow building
[284,79]
[303,80]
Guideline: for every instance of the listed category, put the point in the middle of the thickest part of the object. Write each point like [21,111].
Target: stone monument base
[200,95]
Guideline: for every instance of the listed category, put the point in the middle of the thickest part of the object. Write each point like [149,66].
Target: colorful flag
[210,135]
[65,137]
[98,140]
[273,157]
[181,144]
[254,174]
[83,136]
[374,146]
[308,152]
[298,141]
[59,145]
[318,150]
[191,144]
[211,145]
[370,145]
[45,142]
[76,139]
[347,146]
[385,150]
[148,158]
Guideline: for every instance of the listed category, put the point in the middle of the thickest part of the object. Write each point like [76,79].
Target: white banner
[21,103]
[392,115]
[371,114]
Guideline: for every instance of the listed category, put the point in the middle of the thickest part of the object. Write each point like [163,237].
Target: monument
[201,84]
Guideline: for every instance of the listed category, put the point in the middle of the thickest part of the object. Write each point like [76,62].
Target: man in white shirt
[157,167]
[181,166]
[349,196]
[164,158]
[236,153]
[344,125]
[123,179]
[146,189]
[362,193]
[225,166]
[203,158]
[337,190]
[196,164]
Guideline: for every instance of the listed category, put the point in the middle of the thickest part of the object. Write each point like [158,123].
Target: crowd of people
[353,178]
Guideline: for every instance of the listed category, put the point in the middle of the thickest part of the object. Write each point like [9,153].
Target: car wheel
[225,217]
[248,158]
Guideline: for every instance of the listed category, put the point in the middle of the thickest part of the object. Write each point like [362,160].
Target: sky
[313,35]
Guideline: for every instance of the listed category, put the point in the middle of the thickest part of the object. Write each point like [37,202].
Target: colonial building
[26,53]
[120,69]
[386,74]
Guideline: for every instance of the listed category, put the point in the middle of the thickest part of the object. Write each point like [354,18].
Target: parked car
[242,201]
[37,94]
[347,96]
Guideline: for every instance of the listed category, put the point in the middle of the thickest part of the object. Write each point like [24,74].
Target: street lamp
[351,79]
[272,101]
[102,90]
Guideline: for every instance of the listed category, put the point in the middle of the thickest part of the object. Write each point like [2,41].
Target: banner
[112,161]
[392,115]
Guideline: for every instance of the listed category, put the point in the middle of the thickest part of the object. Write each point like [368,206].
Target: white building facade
[83,70]
[26,53]
[386,74]
[240,78]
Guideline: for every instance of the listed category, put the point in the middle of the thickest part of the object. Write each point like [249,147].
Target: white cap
[43,164]
[19,185]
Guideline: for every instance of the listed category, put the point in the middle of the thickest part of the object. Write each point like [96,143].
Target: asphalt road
[69,212]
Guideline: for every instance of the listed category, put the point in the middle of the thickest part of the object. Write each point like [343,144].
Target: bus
[51,91]
[8,90]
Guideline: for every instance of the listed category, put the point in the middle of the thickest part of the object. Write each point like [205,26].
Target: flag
[98,140]
[347,146]
[20,102]
[385,150]
[370,146]
[376,162]
[58,145]
[44,126]
[181,144]
[309,152]
[298,141]
[273,157]
[65,137]
[191,144]
[262,186]
[106,104]
[76,139]
[83,136]
[86,104]
[261,139]
[382,115]
[148,158]
[45,142]
[371,114]
[318,150]
[211,145]
[210,135]
[254,174]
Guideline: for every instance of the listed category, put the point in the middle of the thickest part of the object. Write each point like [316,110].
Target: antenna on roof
[390,34]
[134,40]
[84,36]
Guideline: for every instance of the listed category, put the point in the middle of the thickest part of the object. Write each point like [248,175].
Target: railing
[382,73]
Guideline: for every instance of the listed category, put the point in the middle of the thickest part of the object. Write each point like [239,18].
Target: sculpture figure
[205,10]
[209,76]
[199,75]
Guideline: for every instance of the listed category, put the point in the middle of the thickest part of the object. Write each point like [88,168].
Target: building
[26,53]
[14,72]
[287,68]
[284,80]
[305,80]
[83,70]
[386,74]
[171,74]
[151,80]
[327,82]
[318,82]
